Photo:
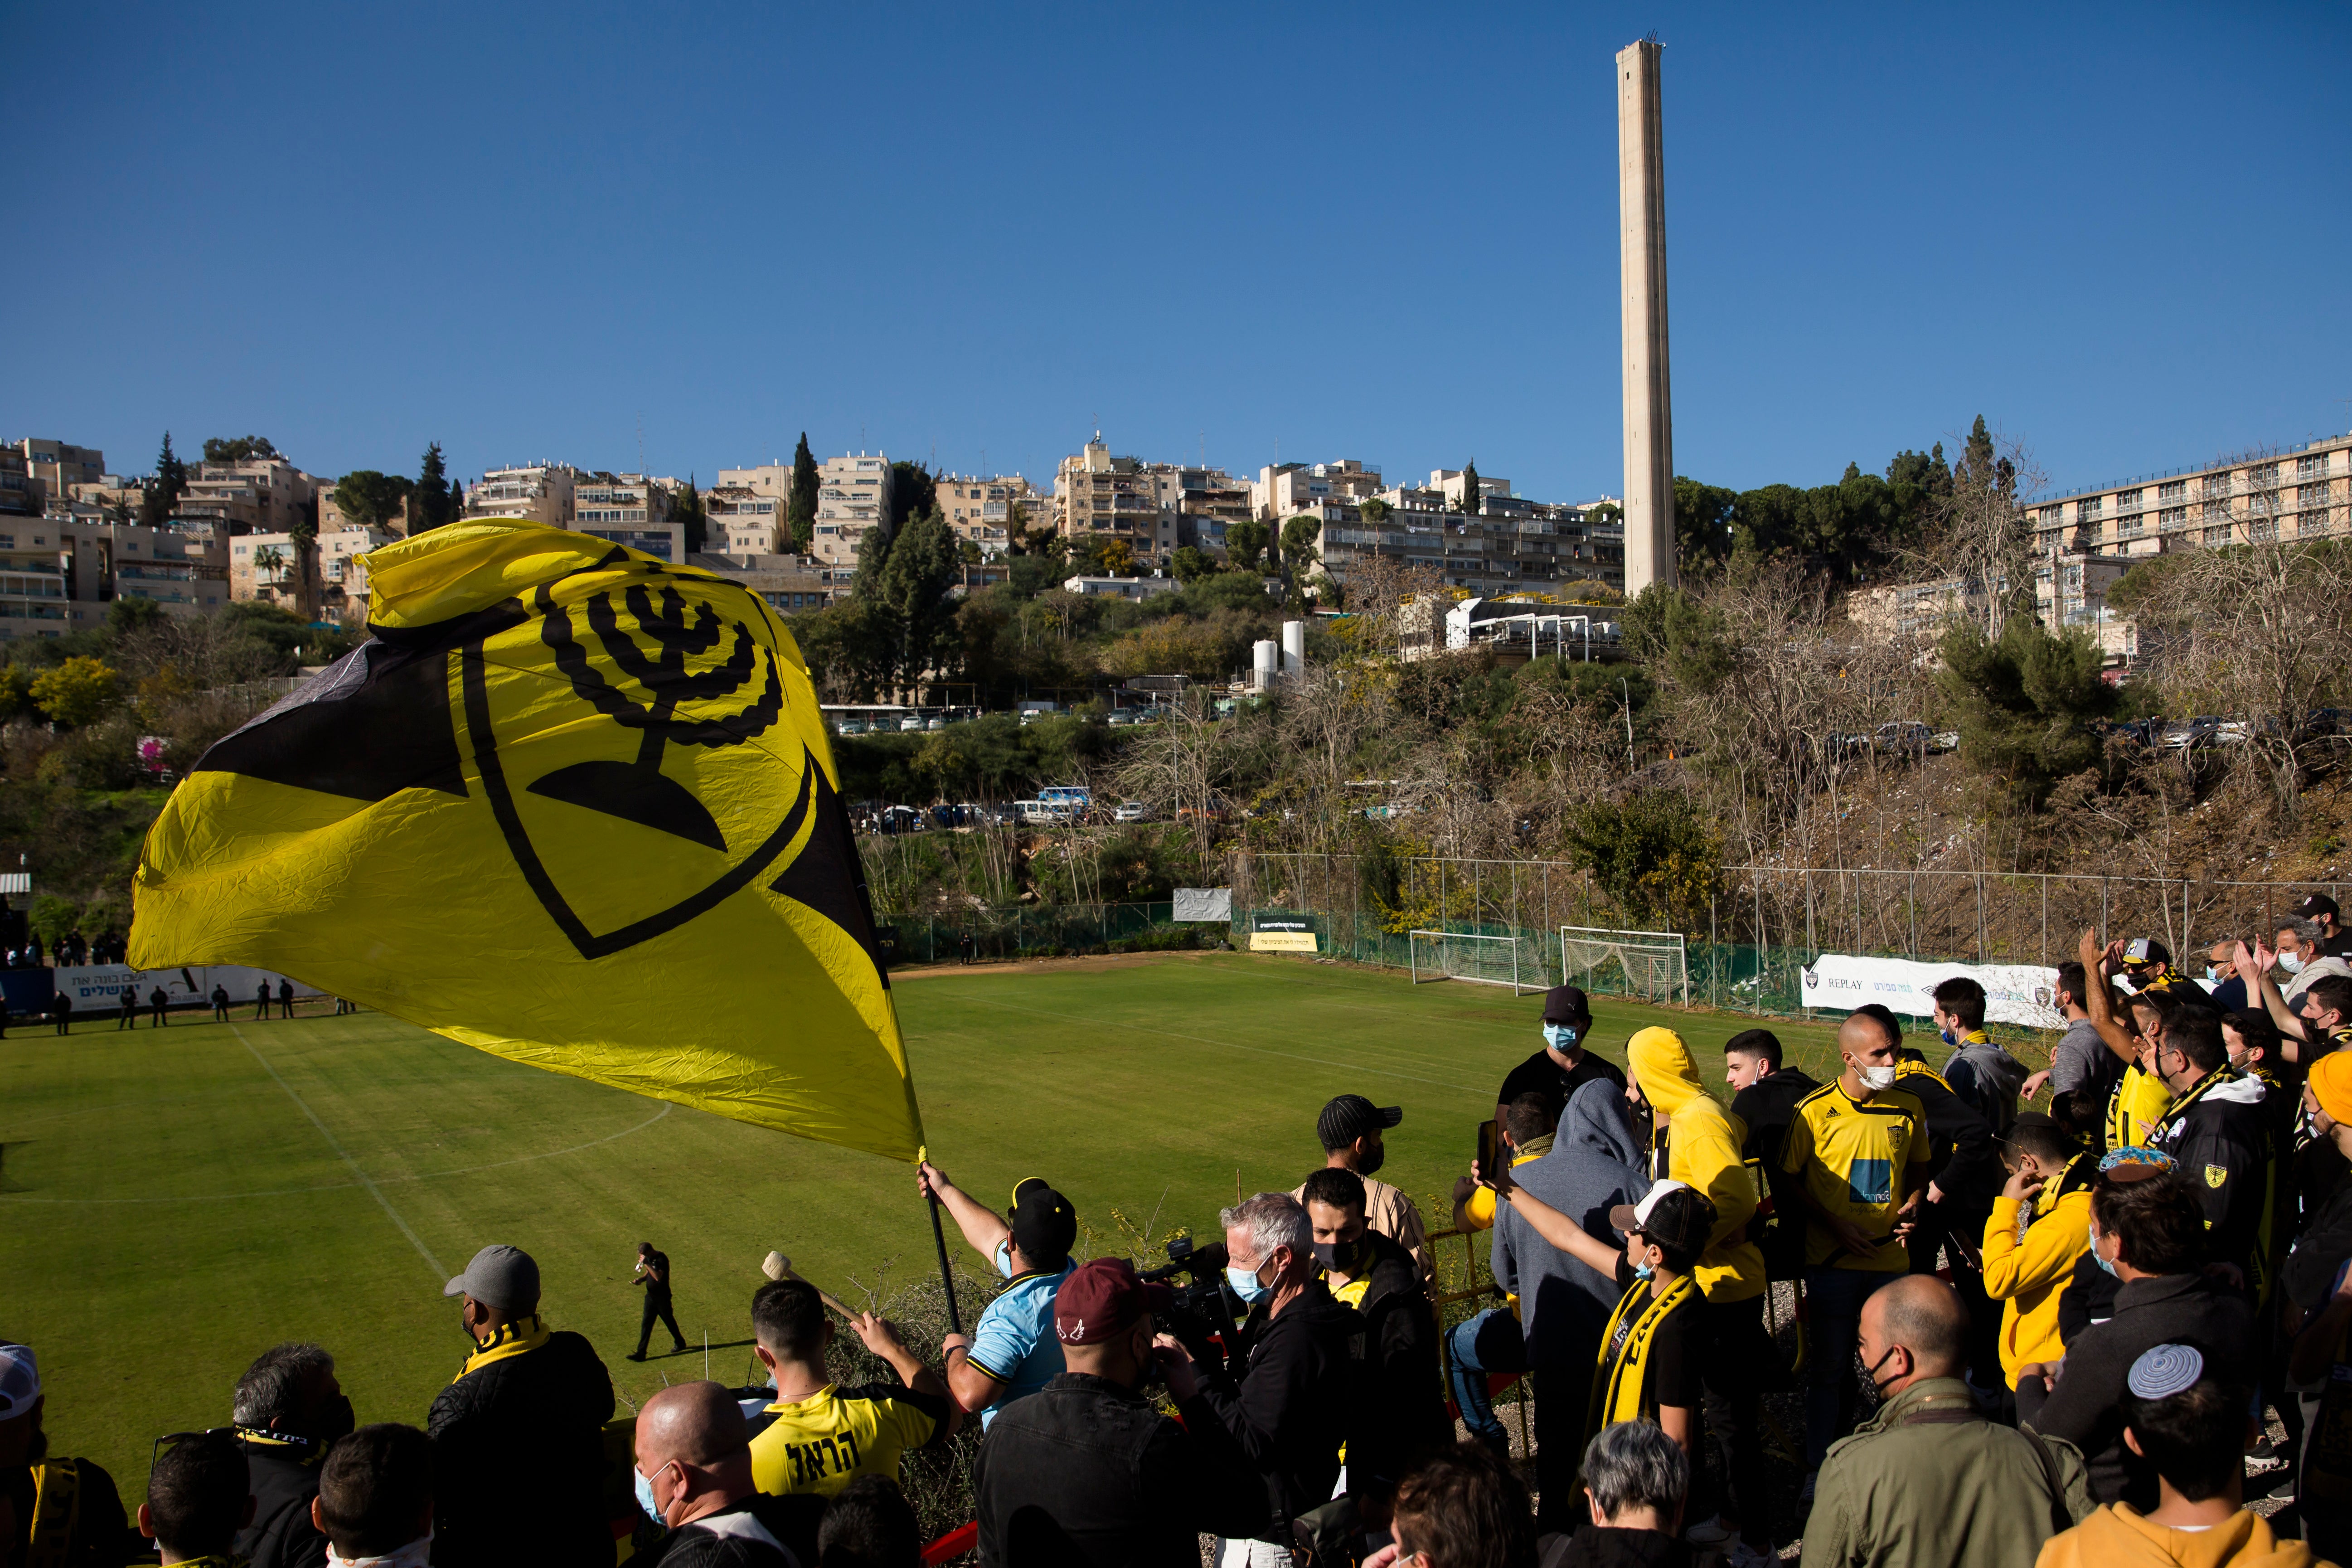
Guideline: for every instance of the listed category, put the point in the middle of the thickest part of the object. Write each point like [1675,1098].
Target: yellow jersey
[1859,1160]
[823,1443]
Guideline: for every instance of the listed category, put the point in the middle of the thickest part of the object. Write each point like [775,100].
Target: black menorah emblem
[639,791]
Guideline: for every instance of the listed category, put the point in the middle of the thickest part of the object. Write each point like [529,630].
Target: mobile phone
[1490,1150]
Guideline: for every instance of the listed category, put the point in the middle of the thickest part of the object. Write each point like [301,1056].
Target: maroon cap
[1104,1297]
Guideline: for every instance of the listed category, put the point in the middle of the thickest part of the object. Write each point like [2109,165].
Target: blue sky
[966,234]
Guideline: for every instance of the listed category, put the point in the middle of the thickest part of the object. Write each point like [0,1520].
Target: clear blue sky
[1385,232]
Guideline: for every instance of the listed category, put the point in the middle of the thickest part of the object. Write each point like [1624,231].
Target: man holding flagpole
[1012,1351]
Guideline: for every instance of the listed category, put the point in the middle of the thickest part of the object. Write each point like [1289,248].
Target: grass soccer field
[173,1201]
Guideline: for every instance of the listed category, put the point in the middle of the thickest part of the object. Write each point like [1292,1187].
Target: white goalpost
[1656,963]
[1462,956]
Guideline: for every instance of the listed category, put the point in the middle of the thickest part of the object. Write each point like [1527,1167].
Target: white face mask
[2290,962]
[1879,1078]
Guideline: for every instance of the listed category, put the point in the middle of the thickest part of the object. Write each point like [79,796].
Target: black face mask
[1347,1258]
[335,1420]
[1373,1160]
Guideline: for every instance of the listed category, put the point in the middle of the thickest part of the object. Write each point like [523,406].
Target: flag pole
[946,1278]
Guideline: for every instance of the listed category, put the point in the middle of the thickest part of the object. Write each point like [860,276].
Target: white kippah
[20,1380]
[2163,1370]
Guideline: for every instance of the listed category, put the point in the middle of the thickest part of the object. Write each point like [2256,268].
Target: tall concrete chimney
[1642,257]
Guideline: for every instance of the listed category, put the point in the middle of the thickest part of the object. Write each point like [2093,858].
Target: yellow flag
[571,806]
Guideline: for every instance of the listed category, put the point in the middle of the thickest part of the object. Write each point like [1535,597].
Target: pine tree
[1472,502]
[165,488]
[687,507]
[428,506]
[800,508]
[457,499]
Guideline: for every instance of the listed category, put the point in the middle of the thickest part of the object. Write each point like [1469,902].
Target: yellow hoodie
[2028,1266]
[2115,1537]
[1703,1144]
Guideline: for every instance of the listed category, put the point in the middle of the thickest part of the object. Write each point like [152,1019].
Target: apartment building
[339,560]
[853,496]
[264,495]
[541,492]
[790,583]
[333,518]
[58,572]
[744,520]
[1512,545]
[980,510]
[20,493]
[2301,492]
[1283,491]
[1095,492]
[627,509]
[59,465]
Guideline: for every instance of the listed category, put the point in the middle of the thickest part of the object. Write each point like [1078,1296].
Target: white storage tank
[1294,648]
[1265,665]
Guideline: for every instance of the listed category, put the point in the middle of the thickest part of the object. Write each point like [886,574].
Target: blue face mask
[1561,1036]
[1245,1285]
[1949,1037]
[1643,1271]
[2097,1258]
[1002,1258]
[645,1497]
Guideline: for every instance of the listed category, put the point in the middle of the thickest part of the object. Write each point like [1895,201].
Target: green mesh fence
[1047,931]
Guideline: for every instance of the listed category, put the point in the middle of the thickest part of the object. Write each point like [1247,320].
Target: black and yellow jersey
[823,1443]
[1859,1160]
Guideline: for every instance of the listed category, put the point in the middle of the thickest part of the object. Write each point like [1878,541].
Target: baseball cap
[1351,1116]
[2331,1084]
[1675,1214]
[2316,905]
[2041,1119]
[20,1380]
[1043,1223]
[2146,950]
[1565,1004]
[1104,1297]
[500,1276]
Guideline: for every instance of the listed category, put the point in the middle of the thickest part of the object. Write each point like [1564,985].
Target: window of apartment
[2051,516]
[2171,490]
[2217,484]
[2262,530]
[2130,526]
[2264,476]
[2313,495]
[2089,508]
[2126,500]
[2216,536]
[2311,465]
[2173,517]
[2216,510]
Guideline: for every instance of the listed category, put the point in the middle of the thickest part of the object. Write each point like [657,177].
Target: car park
[1133,811]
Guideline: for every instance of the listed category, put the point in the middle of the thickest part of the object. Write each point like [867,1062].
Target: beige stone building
[2302,492]
[542,492]
[853,496]
[1283,491]
[20,492]
[791,583]
[266,495]
[1095,492]
[980,510]
[60,465]
[744,519]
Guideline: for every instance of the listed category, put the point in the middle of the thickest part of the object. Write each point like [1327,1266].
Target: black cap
[2316,905]
[2039,1119]
[1674,1214]
[1352,1116]
[1045,1225]
[1565,1004]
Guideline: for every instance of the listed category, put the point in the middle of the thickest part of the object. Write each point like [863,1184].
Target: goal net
[1481,960]
[1652,964]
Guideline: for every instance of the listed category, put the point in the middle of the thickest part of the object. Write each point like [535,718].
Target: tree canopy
[239,450]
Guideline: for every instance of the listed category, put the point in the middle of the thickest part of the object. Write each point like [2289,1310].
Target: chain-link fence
[1053,930]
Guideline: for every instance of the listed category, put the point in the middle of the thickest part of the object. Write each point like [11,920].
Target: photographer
[1085,1470]
[1405,1415]
[1299,1386]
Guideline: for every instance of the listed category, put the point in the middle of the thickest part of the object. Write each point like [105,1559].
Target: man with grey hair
[1929,1467]
[287,1409]
[1636,1479]
[1289,1389]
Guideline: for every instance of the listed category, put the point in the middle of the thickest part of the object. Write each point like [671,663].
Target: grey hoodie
[1594,1164]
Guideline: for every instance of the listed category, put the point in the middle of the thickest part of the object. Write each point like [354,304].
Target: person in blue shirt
[1012,1351]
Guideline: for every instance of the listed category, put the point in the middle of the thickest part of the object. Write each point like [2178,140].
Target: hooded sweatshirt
[1703,1144]
[2115,1537]
[1595,1163]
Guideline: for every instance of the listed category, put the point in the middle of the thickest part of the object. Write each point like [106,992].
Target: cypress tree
[800,508]
[429,506]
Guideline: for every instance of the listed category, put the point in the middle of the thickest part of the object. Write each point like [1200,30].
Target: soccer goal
[1653,964]
[1481,960]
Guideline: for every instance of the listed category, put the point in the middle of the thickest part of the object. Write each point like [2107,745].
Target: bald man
[1929,1467]
[694,1477]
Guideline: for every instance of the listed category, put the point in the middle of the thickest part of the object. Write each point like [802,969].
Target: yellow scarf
[2046,1201]
[1618,1381]
[57,1508]
[520,1337]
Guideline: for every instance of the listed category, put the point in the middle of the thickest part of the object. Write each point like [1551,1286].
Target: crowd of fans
[2028,1335]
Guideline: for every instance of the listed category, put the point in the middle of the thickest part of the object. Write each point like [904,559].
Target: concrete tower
[1642,257]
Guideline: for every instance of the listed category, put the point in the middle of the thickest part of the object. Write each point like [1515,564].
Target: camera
[1203,1314]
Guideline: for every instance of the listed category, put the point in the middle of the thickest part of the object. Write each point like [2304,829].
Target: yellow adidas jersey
[1860,1160]
[824,1442]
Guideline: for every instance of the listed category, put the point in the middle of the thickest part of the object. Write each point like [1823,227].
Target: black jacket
[519,1461]
[284,1479]
[103,1534]
[2219,1133]
[1292,1407]
[1767,1107]
[2170,1310]
[2309,1273]
[1405,1413]
[1602,1546]
[1085,1473]
[1967,1158]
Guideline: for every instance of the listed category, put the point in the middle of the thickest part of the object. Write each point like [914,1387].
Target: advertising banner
[2022,993]
[97,986]
[1204,904]
[1283,941]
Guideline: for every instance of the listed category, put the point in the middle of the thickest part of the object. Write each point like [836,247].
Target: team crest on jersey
[2216,1174]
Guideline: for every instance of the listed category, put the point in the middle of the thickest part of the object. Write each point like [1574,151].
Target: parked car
[1133,811]
[851,727]
[2197,732]
[937,724]
[1904,736]
[1119,721]
[908,726]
